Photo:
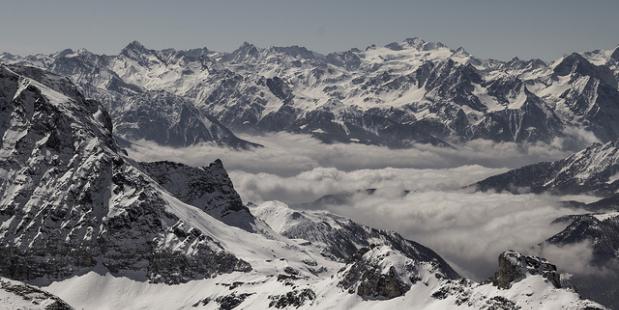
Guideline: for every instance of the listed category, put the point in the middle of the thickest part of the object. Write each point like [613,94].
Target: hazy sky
[486,28]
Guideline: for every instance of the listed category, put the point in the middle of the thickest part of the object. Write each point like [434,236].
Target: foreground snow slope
[312,282]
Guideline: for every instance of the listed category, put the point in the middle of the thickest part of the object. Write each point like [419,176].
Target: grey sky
[486,28]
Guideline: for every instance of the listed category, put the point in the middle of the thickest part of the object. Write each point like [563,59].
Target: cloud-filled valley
[419,191]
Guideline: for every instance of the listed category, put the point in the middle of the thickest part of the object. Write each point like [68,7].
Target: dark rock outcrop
[208,188]
[295,298]
[514,267]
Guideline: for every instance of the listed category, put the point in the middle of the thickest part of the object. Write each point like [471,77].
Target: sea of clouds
[421,192]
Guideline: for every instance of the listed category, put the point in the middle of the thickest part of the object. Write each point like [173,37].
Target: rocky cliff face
[514,267]
[170,120]
[208,188]
[70,201]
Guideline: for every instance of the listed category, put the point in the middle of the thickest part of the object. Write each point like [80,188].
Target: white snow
[613,178]
[606,216]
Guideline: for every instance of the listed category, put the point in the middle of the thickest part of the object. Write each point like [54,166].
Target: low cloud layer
[469,229]
[313,184]
[575,258]
[288,154]
[419,190]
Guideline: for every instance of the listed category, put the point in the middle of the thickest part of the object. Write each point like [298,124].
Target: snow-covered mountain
[594,170]
[69,200]
[137,113]
[406,92]
[171,120]
[599,231]
[77,217]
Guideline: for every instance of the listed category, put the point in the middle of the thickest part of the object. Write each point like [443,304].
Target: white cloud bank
[288,154]
[419,192]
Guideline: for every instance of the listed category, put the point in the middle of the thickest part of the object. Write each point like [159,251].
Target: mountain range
[395,95]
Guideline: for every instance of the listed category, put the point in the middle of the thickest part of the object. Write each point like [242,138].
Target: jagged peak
[577,64]
[518,63]
[217,165]
[134,47]
[461,50]
[65,52]
[68,53]
[246,46]
[245,51]
[416,43]
[536,62]
[569,64]
[294,51]
[135,44]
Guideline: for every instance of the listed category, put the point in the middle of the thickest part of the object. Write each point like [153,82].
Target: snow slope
[292,271]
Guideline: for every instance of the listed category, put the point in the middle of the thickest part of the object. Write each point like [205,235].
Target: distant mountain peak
[414,41]
[243,52]
[576,63]
[133,48]
[569,64]
[461,50]
[135,44]
[294,51]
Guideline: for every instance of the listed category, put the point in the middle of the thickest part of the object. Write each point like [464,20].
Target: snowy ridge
[598,230]
[591,170]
